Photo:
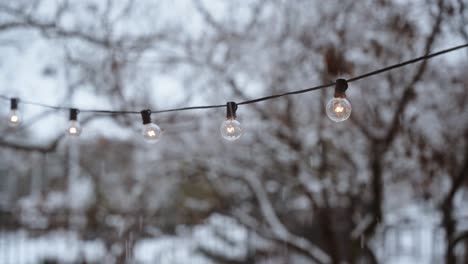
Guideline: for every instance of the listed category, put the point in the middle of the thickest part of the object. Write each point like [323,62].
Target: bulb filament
[339,109]
[151,133]
[230,129]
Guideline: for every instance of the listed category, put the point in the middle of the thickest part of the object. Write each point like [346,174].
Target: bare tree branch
[277,228]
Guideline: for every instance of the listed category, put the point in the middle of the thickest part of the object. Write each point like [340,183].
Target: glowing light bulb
[74,128]
[151,132]
[14,118]
[338,108]
[231,129]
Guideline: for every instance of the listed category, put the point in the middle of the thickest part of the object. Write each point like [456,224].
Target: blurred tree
[324,191]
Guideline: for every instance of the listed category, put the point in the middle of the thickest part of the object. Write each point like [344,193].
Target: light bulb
[152,133]
[231,129]
[74,128]
[14,118]
[338,109]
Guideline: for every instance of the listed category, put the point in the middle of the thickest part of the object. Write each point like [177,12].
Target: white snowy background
[165,54]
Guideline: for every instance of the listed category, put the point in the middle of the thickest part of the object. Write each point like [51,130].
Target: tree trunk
[449,227]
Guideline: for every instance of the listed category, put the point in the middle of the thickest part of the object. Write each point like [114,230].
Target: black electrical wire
[256,100]
[44,105]
[189,108]
[401,64]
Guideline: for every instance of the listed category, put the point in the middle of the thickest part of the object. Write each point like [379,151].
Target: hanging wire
[256,100]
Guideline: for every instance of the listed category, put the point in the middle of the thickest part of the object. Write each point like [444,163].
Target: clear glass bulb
[74,128]
[14,118]
[152,133]
[231,129]
[338,109]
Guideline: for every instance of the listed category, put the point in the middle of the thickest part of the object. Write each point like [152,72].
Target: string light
[74,128]
[14,118]
[151,132]
[339,108]
[231,129]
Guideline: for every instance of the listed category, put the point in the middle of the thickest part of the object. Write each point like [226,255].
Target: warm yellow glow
[14,118]
[72,130]
[339,109]
[151,133]
[231,129]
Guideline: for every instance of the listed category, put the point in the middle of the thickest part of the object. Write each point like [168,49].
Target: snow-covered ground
[66,247]
[18,247]
[403,244]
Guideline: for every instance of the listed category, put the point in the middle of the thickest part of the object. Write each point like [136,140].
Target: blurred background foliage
[296,188]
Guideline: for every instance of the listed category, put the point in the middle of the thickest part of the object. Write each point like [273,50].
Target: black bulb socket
[14,103]
[74,114]
[146,116]
[341,85]
[231,108]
